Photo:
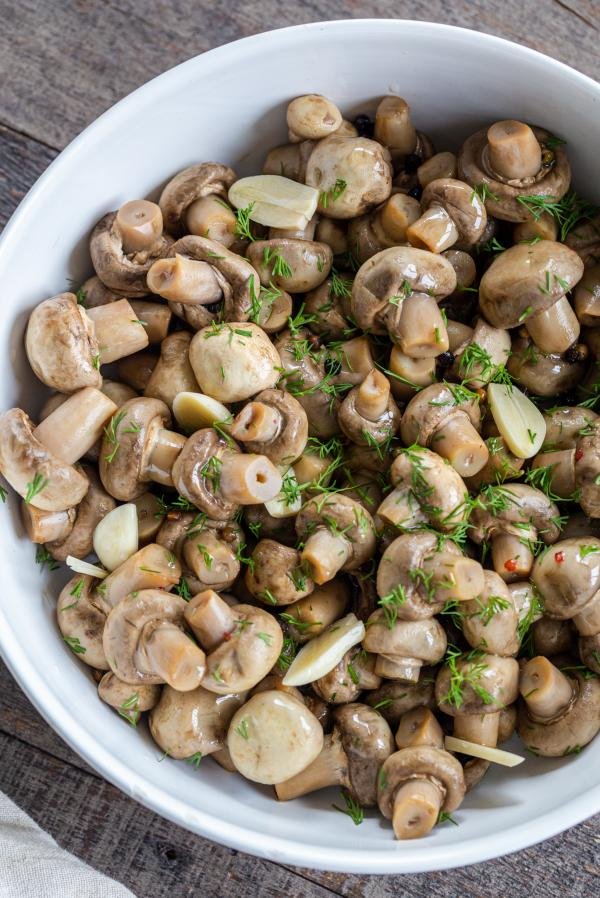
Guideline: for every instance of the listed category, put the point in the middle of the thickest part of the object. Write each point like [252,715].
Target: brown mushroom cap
[189,185]
[589,651]
[542,374]
[291,431]
[289,160]
[487,684]
[394,698]
[94,506]
[291,264]
[61,345]
[526,279]
[568,577]
[572,728]
[432,407]
[81,621]
[128,701]
[275,577]
[409,641]
[362,430]
[343,516]
[553,637]
[196,486]
[585,240]
[587,469]
[461,203]
[490,621]
[173,373]
[187,723]
[495,342]
[422,762]
[151,568]
[362,164]
[351,675]
[125,274]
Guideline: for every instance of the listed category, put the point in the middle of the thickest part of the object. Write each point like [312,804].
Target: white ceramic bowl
[229,105]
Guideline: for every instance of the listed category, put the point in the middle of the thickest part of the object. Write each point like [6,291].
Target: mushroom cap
[553,637]
[236,276]
[195,486]
[526,279]
[498,678]
[351,675]
[252,649]
[491,624]
[242,352]
[189,185]
[587,469]
[289,442]
[273,737]
[585,240]
[81,622]
[443,497]
[364,166]
[97,294]
[422,762]
[127,701]
[362,430]
[589,651]
[542,374]
[308,260]
[25,461]
[434,406]
[173,373]
[568,577]
[524,505]
[367,741]
[61,345]
[563,426]
[211,553]
[572,728]
[185,723]
[550,181]
[340,513]
[136,421]
[94,506]
[384,277]
[125,623]
[462,204]
[123,274]
[394,698]
[273,566]
[424,640]
[496,342]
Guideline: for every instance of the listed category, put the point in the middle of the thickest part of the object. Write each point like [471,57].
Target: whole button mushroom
[351,757]
[553,637]
[129,702]
[309,616]
[145,642]
[415,785]
[490,621]
[242,642]
[397,291]
[312,117]
[211,551]
[586,297]
[351,174]
[289,160]
[402,647]
[187,201]
[124,244]
[273,737]
[192,724]
[589,651]
[276,575]
[217,478]
[543,374]
[290,264]
[511,162]
[481,357]
[368,413]
[384,227]
[559,712]
[568,578]
[234,361]
[81,621]
[585,241]
[453,212]
[447,416]
[273,424]
[338,534]
[526,284]
[513,517]
[173,533]
[586,468]
[94,506]
[151,568]
[137,448]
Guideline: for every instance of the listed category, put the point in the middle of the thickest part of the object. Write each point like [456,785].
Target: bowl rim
[416,858]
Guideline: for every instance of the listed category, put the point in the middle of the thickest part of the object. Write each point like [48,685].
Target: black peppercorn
[445,359]
[416,192]
[576,353]
[365,125]
[412,162]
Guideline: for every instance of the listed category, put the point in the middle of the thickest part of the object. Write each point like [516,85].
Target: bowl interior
[229,105]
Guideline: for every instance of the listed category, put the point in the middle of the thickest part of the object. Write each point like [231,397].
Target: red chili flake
[579,455]
[173,516]
[510,565]
[559,557]
[227,636]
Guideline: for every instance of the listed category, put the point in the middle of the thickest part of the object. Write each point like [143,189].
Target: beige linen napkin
[33,866]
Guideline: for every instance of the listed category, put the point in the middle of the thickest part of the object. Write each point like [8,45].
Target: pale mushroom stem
[544,688]
[588,621]
[330,768]
[479,728]
[513,150]
[211,216]
[76,425]
[257,422]
[390,222]
[546,228]
[511,558]
[248,479]
[210,618]
[356,358]
[140,224]
[118,331]
[372,396]
[184,280]
[164,448]
[46,526]
[400,509]
[417,806]
[458,441]
[411,374]
[165,651]
[393,126]
[395,667]
[459,335]
[434,230]
[423,333]
[309,467]
[454,577]
[326,553]
[554,329]
[562,463]
[419,727]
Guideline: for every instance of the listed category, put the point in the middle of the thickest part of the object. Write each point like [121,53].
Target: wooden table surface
[61,65]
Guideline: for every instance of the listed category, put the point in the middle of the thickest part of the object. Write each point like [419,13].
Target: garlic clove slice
[196,410]
[495,755]
[278,202]
[116,536]
[84,567]
[319,656]
[288,502]
[520,423]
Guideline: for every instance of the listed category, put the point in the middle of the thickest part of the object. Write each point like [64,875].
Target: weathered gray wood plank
[67,61]
[22,161]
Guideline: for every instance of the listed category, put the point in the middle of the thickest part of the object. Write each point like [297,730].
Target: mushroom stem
[434,230]
[423,333]
[46,526]
[417,806]
[210,216]
[393,126]
[400,509]
[372,397]
[395,667]
[545,689]
[454,577]
[164,448]
[588,621]
[458,442]
[357,360]
[257,422]
[513,150]
[76,425]
[248,479]
[479,728]
[411,373]
[184,280]
[165,651]
[330,768]
[419,726]
[118,331]
[140,223]
[210,618]
[511,558]
[562,463]
[326,553]
[554,329]
[390,222]
[459,335]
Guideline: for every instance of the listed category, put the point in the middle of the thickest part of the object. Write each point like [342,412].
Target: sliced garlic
[84,567]
[116,536]
[289,501]
[278,202]
[195,410]
[495,755]
[321,654]
[520,423]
